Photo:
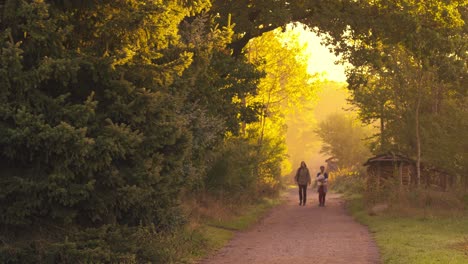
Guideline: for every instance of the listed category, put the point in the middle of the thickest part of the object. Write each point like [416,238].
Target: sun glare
[321,60]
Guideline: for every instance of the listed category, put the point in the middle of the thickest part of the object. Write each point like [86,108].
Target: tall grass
[348,181]
[402,200]
[213,220]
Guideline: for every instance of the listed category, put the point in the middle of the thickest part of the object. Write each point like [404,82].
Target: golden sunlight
[321,60]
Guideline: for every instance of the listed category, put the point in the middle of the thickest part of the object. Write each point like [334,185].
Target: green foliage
[448,128]
[348,181]
[217,81]
[403,52]
[286,86]
[109,109]
[109,244]
[212,86]
[76,129]
[98,131]
[233,170]
[409,76]
[343,138]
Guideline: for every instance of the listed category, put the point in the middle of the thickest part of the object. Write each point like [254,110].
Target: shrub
[233,171]
[348,180]
[108,244]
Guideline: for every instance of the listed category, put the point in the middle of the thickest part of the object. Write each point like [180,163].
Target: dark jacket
[302,176]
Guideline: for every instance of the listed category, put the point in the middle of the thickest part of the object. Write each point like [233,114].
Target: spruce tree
[93,137]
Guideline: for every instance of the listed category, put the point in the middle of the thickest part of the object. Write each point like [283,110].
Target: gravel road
[294,234]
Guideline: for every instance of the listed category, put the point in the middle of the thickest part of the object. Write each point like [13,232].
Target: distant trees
[344,138]
[409,84]
[285,87]
[409,62]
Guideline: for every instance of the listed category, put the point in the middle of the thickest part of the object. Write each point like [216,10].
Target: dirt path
[294,234]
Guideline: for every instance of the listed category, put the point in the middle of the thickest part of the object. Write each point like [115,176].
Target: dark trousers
[302,193]
[322,194]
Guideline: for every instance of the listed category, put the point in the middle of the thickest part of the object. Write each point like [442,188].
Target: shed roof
[389,157]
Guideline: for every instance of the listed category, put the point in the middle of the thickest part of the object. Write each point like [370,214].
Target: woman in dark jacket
[302,179]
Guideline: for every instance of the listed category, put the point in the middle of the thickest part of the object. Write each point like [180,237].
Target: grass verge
[415,240]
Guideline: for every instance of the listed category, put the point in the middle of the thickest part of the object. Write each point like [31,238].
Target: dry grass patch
[215,220]
[463,246]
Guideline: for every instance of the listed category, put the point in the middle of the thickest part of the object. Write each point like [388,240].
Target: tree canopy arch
[409,58]
[345,21]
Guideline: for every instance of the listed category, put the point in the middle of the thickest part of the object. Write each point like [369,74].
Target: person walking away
[322,182]
[302,179]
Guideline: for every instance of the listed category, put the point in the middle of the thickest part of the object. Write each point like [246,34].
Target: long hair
[300,167]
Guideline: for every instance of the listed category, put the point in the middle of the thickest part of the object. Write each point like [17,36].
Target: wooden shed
[437,178]
[332,164]
[384,167]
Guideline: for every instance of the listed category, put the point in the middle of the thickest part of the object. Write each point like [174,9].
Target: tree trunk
[243,124]
[262,130]
[418,138]
[382,128]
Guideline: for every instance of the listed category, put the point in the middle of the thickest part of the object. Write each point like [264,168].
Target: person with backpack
[302,179]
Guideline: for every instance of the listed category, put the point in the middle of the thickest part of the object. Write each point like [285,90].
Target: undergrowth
[213,222]
[409,225]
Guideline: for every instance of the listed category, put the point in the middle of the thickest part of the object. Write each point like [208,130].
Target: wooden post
[370,178]
[446,185]
[410,171]
[379,170]
[400,173]
[466,183]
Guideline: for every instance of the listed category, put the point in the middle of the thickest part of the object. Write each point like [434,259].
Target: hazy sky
[321,59]
[331,98]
